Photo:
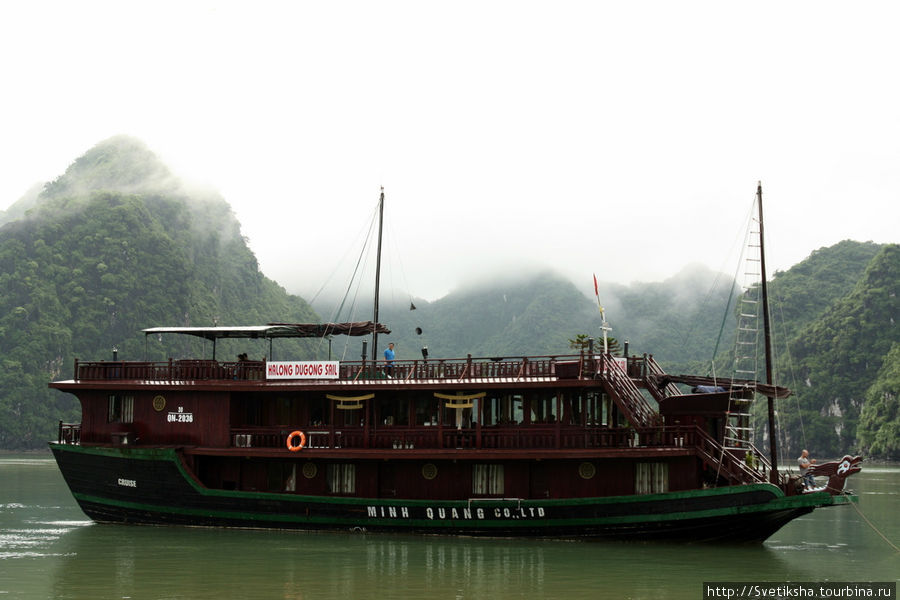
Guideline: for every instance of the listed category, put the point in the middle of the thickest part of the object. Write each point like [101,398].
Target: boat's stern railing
[171,370]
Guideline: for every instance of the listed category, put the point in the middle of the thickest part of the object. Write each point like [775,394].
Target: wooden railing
[408,438]
[172,370]
[724,461]
[468,368]
[654,377]
[629,398]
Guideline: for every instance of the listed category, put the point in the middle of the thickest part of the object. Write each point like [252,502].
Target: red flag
[596,289]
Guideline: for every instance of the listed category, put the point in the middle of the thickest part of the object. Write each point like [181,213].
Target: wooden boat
[541,446]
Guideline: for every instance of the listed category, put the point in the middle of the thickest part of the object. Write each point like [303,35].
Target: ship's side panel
[685,473]
[165,417]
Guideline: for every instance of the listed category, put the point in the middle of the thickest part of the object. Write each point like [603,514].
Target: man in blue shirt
[389,360]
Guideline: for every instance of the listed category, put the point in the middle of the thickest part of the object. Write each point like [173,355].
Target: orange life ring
[290,441]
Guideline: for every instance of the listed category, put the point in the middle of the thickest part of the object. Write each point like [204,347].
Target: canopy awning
[275,330]
[772,391]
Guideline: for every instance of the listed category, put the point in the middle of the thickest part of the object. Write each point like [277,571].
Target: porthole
[429,471]
[587,470]
[310,470]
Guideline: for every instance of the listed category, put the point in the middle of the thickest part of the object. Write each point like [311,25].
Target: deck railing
[725,464]
[172,370]
[474,438]
[563,367]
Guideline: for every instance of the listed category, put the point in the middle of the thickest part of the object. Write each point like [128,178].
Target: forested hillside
[540,313]
[806,291]
[513,318]
[879,420]
[836,358]
[114,245]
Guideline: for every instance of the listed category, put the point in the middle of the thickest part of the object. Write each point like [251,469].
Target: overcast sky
[618,138]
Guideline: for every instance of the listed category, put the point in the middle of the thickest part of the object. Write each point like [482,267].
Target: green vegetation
[113,246]
[583,343]
[836,357]
[541,313]
[879,420]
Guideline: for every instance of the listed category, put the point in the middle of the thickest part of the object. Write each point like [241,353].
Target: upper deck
[442,372]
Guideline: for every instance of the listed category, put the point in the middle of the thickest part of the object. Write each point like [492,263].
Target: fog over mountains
[117,244]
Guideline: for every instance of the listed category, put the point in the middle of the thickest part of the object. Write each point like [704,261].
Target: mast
[604,326]
[767,339]
[377,276]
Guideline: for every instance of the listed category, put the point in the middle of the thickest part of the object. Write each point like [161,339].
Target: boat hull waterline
[152,486]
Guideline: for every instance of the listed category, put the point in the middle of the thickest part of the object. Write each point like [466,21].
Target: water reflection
[48,549]
[201,563]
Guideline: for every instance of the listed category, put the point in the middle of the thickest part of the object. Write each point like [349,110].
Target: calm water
[48,549]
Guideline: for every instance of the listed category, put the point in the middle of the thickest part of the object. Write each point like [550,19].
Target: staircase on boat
[631,401]
[722,459]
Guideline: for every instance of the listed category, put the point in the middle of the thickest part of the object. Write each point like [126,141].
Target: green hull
[138,485]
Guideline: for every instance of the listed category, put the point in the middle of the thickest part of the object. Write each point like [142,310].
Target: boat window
[342,478]
[543,408]
[487,480]
[461,418]
[319,410]
[283,412]
[282,476]
[651,478]
[121,409]
[502,409]
[349,418]
[572,408]
[426,408]
[490,413]
[246,410]
[597,409]
[393,411]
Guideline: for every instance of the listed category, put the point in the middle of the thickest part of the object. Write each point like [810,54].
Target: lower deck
[450,478]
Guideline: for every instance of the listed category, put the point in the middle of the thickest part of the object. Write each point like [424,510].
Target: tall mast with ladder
[754,300]
[767,339]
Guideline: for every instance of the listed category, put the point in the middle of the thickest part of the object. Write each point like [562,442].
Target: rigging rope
[794,385]
[875,529]
[365,244]
[398,257]
[743,239]
[360,261]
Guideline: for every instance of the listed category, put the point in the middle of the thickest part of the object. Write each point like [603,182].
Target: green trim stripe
[445,523]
